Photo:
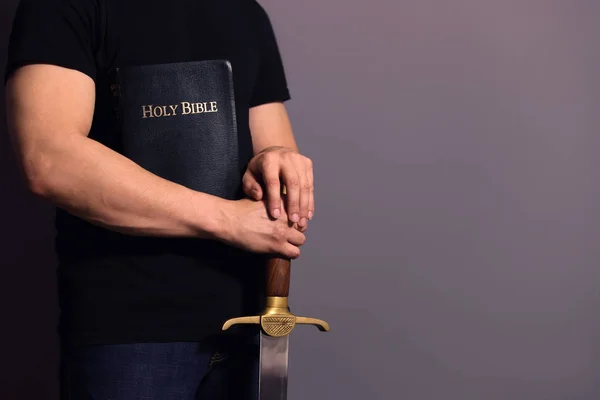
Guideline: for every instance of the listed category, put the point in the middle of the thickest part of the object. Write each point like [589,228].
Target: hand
[274,166]
[249,227]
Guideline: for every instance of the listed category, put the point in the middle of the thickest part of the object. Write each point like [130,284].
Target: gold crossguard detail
[277,320]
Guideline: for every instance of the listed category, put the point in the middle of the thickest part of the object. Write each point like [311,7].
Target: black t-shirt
[115,288]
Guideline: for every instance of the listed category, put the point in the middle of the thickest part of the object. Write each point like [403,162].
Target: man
[147,272]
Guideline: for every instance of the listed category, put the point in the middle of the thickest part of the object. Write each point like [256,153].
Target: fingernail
[294,217]
[310,215]
[276,213]
[303,221]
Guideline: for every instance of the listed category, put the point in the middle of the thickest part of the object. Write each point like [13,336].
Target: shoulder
[36,6]
[61,32]
[36,13]
[258,11]
[261,17]
[55,12]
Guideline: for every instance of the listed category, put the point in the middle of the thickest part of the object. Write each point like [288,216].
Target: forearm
[91,181]
[271,127]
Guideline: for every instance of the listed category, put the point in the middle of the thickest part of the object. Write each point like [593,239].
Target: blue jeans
[161,371]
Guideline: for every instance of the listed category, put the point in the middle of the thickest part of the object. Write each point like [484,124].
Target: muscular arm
[270,127]
[50,111]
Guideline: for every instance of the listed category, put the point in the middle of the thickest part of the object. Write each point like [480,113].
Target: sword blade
[273,369]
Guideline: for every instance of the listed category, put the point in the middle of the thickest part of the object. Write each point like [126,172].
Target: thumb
[251,186]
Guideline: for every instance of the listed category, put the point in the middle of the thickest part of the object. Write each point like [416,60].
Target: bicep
[46,106]
[270,126]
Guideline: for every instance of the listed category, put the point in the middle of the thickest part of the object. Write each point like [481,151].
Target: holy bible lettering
[184,108]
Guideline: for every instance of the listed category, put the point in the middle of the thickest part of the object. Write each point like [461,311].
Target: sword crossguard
[277,320]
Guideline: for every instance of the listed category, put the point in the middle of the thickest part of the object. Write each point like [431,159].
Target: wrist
[223,221]
[273,147]
[210,216]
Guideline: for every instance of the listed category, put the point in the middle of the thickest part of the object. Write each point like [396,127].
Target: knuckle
[309,162]
[270,158]
[280,233]
[273,182]
[269,167]
[294,183]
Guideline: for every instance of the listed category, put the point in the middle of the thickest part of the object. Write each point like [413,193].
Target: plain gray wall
[455,249]
[455,246]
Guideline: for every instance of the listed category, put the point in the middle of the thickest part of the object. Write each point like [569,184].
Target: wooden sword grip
[278,277]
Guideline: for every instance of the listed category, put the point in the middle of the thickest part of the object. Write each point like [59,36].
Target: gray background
[454,248]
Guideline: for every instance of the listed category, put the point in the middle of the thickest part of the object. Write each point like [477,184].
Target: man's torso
[116,288]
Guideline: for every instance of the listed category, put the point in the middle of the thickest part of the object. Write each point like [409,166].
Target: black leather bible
[178,121]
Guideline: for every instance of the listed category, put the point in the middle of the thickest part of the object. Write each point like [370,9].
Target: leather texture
[197,149]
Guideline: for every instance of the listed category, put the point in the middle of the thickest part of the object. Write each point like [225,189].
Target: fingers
[292,181]
[270,173]
[305,192]
[296,226]
[298,178]
[288,238]
[311,182]
[252,187]
[291,251]
[301,228]
[296,237]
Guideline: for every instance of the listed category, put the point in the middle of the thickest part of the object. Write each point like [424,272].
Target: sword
[277,322]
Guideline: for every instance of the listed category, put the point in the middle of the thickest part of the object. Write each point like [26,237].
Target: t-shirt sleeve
[271,84]
[57,32]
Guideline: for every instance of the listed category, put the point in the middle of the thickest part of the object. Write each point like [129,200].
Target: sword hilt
[276,319]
